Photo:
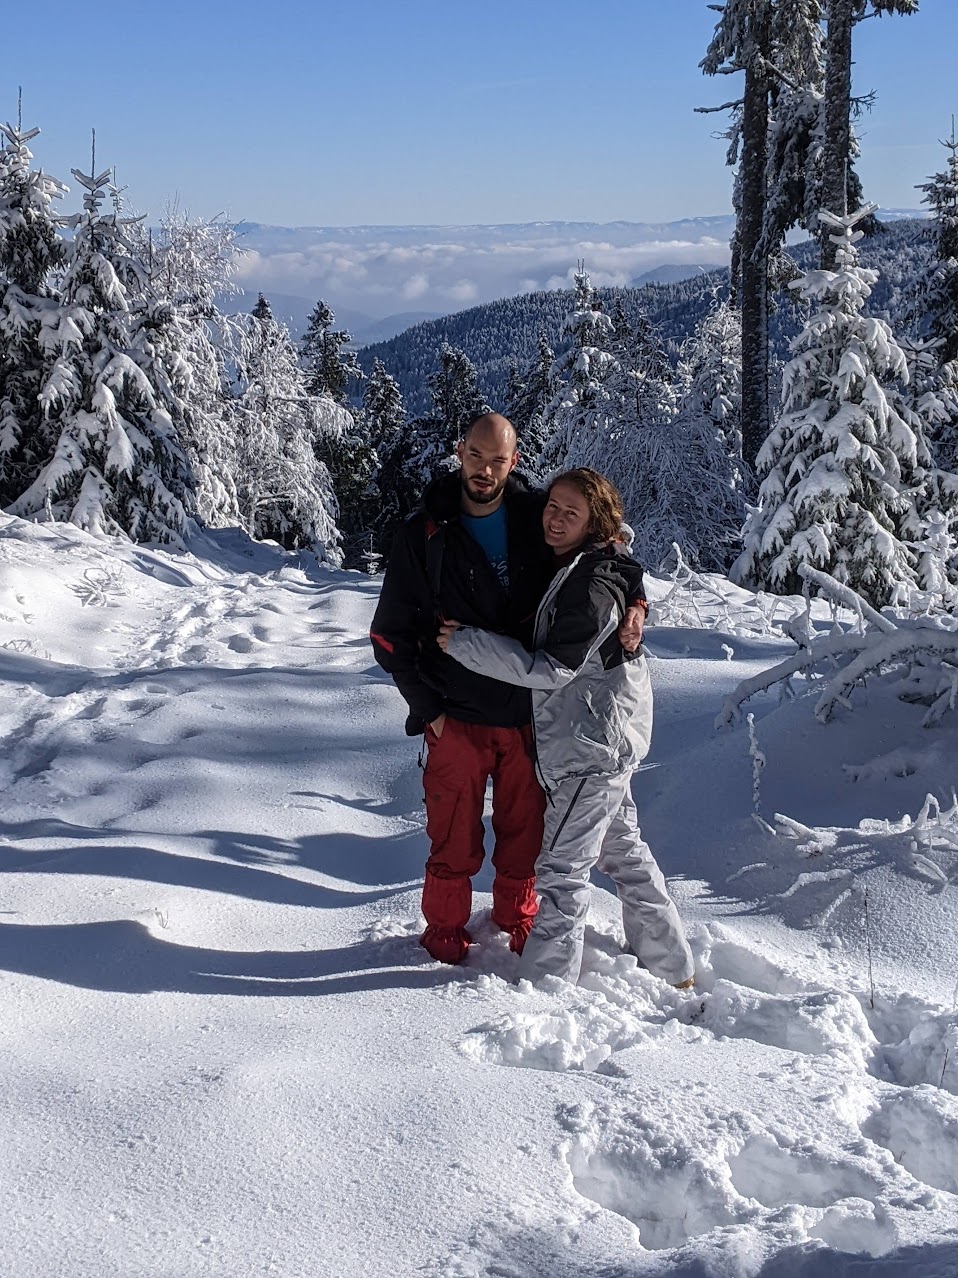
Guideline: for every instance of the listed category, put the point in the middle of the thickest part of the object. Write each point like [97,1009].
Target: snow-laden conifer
[845,473]
[932,392]
[192,263]
[30,250]
[581,402]
[938,306]
[30,247]
[383,409]
[431,440]
[351,463]
[347,453]
[616,409]
[384,418]
[525,405]
[698,452]
[939,287]
[710,380]
[114,463]
[285,492]
[669,456]
[329,363]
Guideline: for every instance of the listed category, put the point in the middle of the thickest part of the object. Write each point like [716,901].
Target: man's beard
[486,496]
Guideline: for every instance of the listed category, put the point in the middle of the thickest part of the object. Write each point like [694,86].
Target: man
[474,553]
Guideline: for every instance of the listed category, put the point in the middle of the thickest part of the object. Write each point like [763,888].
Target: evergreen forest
[799,409]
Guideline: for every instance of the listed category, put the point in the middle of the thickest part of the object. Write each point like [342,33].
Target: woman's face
[565,520]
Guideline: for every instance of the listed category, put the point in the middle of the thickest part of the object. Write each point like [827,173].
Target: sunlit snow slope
[223,1053]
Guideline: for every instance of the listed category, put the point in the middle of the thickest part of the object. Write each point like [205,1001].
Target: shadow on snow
[125,957]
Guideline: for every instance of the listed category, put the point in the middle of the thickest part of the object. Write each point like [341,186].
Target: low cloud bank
[378,271]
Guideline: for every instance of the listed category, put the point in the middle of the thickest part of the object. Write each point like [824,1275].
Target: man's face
[487,455]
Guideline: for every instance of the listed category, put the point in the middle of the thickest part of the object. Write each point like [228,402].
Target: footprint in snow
[677,1173]
[241,643]
[919,1127]
[836,1167]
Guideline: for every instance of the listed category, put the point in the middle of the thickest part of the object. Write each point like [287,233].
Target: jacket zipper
[575,799]
[551,592]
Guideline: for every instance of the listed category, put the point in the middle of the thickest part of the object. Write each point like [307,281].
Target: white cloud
[416,286]
[560,281]
[379,272]
[463,291]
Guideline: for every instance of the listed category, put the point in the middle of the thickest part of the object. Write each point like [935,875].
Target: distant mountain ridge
[380,280]
[294,312]
[383,271]
[672,272]
[254,231]
[495,333]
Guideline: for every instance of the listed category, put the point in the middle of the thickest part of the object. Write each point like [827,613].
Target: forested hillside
[495,334]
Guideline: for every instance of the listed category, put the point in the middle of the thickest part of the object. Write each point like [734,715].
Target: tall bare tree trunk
[838,105]
[753,262]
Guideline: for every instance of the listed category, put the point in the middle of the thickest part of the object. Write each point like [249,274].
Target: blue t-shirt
[490,532]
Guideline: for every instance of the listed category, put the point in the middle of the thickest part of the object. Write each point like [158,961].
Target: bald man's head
[492,425]
[488,454]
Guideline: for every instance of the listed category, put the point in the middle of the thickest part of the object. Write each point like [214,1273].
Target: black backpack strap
[435,545]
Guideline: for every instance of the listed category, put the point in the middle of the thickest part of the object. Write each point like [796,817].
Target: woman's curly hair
[602,497]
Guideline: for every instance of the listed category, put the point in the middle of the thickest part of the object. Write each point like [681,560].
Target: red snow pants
[458,764]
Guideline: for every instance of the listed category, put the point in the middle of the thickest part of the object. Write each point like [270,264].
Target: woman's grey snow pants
[593,821]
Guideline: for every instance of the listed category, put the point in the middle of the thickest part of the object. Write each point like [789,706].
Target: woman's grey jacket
[591,701]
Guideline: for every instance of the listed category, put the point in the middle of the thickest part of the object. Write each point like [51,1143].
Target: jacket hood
[442,500]
[612,563]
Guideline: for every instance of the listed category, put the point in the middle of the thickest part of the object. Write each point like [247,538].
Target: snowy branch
[925,654]
[902,646]
[845,597]
[726,106]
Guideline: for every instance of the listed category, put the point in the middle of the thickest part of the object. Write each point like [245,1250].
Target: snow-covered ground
[223,1053]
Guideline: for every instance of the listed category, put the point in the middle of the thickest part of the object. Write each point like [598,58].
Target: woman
[592,718]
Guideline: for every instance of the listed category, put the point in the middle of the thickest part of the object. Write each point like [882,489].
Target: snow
[223,1052]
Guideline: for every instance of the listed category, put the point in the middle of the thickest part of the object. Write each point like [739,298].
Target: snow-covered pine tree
[192,262]
[581,404]
[845,473]
[614,409]
[709,375]
[940,286]
[384,416]
[115,464]
[932,392]
[30,249]
[432,440]
[285,492]
[674,480]
[673,470]
[933,399]
[329,363]
[623,329]
[792,140]
[352,463]
[646,374]
[383,409]
[702,506]
[347,454]
[938,305]
[526,402]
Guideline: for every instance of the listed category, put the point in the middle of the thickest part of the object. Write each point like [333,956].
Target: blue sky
[431,111]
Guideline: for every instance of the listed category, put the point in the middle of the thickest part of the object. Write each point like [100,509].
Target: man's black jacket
[437,569]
